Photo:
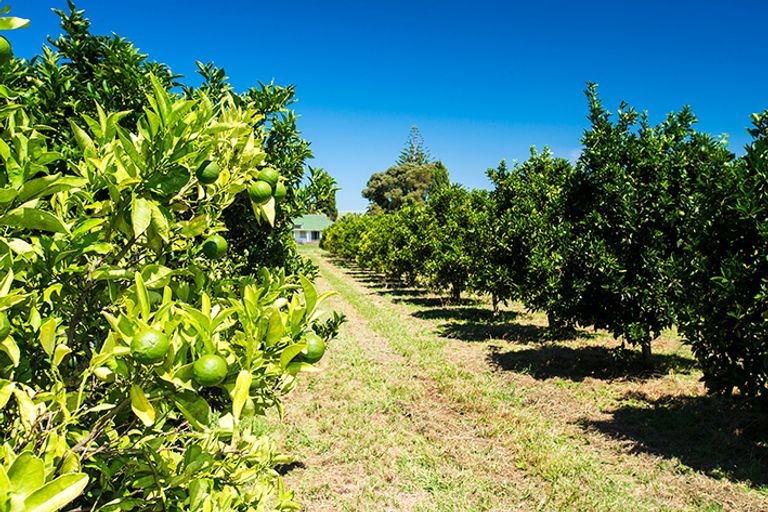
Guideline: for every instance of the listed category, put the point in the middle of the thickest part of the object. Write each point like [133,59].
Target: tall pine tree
[414,151]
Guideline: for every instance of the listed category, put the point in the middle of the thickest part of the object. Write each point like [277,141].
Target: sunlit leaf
[141,406]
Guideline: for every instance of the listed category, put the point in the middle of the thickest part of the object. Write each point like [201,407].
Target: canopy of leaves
[725,299]
[409,182]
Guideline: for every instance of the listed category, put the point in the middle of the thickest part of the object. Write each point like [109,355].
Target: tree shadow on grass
[576,364]
[284,469]
[434,302]
[402,292]
[485,331]
[709,434]
[467,313]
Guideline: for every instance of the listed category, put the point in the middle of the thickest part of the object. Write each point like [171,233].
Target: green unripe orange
[150,346]
[260,192]
[5,326]
[215,247]
[280,191]
[6,53]
[269,175]
[208,172]
[210,370]
[314,350]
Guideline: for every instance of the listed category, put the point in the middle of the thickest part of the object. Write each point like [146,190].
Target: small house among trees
[308,229]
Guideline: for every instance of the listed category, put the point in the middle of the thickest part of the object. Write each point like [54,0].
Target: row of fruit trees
[140,329]
[654,226]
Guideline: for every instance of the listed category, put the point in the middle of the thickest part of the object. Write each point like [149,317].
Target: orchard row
[652,227]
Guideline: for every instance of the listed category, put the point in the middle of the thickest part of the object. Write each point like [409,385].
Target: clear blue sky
[482,80]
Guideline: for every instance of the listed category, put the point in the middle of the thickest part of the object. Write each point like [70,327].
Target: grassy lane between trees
[425,406]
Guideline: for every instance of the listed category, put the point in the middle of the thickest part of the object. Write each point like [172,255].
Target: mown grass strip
[574,477]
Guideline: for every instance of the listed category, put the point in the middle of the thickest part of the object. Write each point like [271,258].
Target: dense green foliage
[725,289]
[135,347]
[654,226]
[411,181]
[628,221]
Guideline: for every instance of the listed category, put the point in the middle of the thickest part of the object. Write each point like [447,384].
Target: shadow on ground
[467,314]
[284,469]
[709,434]
[576,364]
[502,327]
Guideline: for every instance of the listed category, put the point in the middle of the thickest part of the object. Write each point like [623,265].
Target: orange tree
[343,238]
[627,220]
[526,230]
[448,233]
[725,304]
[133,356]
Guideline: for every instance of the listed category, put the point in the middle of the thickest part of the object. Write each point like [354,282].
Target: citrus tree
[725,304]
[344,236]
[629,214]
[450,224]
[527,232]
[133,355]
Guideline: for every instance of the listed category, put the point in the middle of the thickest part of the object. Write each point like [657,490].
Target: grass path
[424,407]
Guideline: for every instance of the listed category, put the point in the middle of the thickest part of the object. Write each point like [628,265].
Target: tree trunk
[646,348]
[456,293]
[558,327]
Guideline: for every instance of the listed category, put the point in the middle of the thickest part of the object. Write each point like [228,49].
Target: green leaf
[198,494]
[268,209]
[27,410]
[11,349]
[5,286]
[160,222]
[59,353]
[6,390]
[156,277]
[194,408]
[83,140]
[48,335]
[141,215]
[47,185]
[168,185]
[276,327]
[142,296]
[141,407]
[27,473]
[56,494]
[12,23]
[7,195]
[111,274]
[294,368]
[32,218]
[290,352]
[5,483]
[240,393]
[310,294]
[194,227]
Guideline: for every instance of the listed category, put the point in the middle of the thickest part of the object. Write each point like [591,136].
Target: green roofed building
[307,229]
